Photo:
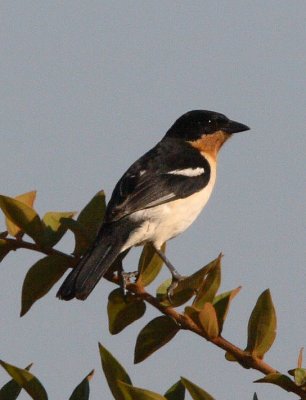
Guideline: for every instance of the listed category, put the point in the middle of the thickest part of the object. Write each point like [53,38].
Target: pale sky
[88,87]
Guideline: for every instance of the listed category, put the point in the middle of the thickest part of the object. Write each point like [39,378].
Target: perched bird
[158,197]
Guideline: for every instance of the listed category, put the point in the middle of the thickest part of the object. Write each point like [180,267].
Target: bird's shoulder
[170,170]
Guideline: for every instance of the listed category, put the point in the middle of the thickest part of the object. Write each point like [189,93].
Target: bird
[157,198]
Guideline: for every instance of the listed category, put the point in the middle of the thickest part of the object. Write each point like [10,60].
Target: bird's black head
[194,124]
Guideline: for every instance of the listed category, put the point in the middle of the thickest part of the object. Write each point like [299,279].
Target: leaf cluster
[195,303]
[118,380]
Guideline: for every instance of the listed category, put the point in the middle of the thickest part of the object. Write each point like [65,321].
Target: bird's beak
[234,126]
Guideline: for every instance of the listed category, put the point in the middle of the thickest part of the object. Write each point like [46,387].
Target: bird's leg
[125,277]
[176,276]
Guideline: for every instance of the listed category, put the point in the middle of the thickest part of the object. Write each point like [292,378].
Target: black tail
[94,264]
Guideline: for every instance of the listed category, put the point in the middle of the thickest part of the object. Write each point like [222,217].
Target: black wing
[159,176]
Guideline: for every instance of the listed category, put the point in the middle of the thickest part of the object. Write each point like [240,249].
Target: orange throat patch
[211,144]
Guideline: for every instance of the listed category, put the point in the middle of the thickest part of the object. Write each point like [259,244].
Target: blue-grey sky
[86,88]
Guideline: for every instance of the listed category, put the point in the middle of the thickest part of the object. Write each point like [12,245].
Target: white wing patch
[191,172]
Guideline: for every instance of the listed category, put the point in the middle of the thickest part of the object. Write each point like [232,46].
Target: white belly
[165,221]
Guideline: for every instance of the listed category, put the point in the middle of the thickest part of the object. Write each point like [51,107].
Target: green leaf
[230,357]
[5,248]
[209,321]
[27,199]
[40,278]
[193,313]
[23,216]
[153,336]
[210,285]
[113,372]
[222,303]
[299,376]
[176,392]
[81,392]
[278,379]
[90,218]
[181,294]
[82,241]
[135,393]
[185,288]
[54,229]
[195,391]
[262,326]
[11,390]
[149,265]
[27,381]
[123,310]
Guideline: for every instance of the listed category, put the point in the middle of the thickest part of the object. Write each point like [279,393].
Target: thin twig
[245,359]
[22,244]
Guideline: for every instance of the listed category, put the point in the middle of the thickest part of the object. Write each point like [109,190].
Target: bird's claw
[176,279]
[126,278]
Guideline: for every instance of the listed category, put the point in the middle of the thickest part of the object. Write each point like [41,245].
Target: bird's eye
[209,121]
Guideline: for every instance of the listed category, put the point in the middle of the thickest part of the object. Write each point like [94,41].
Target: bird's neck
[210,144]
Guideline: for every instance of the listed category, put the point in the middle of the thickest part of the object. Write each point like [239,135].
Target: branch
[15,244]
[244,358]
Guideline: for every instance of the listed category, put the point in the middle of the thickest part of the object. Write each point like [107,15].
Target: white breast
[165,221]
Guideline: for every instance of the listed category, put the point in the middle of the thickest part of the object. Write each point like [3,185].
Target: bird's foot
[176,279]
[126,278]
